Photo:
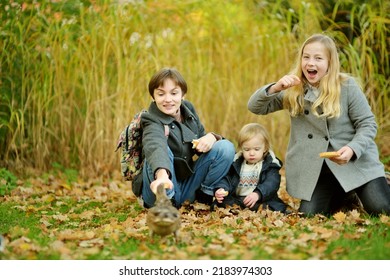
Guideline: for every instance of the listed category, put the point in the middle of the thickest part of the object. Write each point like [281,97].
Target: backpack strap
[127,138]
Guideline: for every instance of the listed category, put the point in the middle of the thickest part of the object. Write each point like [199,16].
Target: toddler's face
[253,149]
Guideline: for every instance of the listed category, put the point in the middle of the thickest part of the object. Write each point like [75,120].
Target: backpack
[131,160]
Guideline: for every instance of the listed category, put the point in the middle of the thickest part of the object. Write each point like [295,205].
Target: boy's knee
[225,148]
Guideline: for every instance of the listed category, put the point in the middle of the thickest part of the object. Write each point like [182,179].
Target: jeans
[209,169]
[328,195]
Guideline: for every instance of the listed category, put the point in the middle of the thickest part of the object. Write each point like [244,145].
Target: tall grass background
[73,73]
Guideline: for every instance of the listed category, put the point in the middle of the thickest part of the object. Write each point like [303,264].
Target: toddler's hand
[220,195]
[251,200]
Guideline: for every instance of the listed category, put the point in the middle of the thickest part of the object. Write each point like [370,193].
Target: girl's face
[315,62]
[168,97]
[253,149]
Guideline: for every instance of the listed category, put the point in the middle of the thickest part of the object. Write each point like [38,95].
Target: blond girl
[329,112]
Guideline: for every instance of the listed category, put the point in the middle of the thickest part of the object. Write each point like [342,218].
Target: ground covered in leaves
[50,218]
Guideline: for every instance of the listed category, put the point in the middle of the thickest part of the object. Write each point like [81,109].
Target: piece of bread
[329,154]
[195,143]
[223,192]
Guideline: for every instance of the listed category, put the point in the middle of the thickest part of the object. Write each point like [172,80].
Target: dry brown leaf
[59,246]
[87,215]
[60,217]
[75,235]
[92,243]
[340,217]
[385,219]
[44,221]
[278,223]
[352,235]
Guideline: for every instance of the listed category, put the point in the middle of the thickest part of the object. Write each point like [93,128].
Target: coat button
[326,138]
[172,126]
[310,136]
[306,112]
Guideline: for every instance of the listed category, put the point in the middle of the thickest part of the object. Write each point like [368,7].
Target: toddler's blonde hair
[251,130]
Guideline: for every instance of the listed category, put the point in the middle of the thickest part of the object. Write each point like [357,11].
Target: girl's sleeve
[362,118]
[262,104]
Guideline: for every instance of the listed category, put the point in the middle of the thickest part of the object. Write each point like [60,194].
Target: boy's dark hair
[159,78]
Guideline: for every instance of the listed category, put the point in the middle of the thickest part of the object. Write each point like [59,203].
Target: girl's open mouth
[311,73]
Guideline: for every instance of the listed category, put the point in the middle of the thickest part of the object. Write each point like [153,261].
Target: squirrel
[163,218]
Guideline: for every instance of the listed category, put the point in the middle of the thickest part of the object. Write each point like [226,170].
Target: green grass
[374,244]
[8,181]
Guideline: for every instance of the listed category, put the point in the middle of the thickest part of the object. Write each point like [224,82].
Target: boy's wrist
[160,172]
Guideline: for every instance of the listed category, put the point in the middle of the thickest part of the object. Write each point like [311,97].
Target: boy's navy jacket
[267,186]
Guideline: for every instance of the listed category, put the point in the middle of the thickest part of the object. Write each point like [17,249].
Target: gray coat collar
[166,119]
[311,93]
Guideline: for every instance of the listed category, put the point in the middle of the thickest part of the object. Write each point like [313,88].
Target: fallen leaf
[340,217]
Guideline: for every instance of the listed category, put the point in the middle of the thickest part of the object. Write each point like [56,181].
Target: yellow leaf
[278,223]
[60,217]
[89,235]
[25,246]
[340,217]
[385,219]
[87,215]
[66,186]
[48,198]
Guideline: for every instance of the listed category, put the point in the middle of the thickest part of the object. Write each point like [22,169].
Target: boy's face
[168,97]
[253,149]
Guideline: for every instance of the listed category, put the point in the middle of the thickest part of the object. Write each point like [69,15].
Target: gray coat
[311,135]
[154,141]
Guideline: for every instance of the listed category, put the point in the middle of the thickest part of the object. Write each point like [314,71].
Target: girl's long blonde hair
[328,100]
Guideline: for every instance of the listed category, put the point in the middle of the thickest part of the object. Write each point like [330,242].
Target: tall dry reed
[85,69]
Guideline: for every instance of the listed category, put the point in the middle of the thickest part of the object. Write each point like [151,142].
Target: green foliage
[7,181]
[71,175]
